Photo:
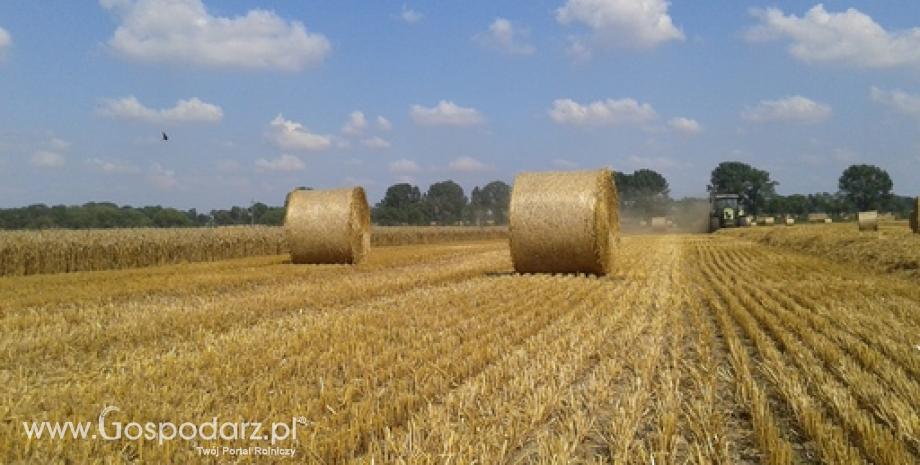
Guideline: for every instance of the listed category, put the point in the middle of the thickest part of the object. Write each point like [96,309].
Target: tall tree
[867,187]
[447,201]
[733,177]
[491,201]
[651,192]
[401,196]
[644,192]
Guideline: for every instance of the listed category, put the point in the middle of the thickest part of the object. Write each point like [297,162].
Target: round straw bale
[328,226]
[769,221]
[659,224]
[828,221]
[563,222]
[790,221]
[868,221]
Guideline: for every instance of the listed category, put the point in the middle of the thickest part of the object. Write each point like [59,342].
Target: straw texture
[868,221]
[328,226]
[563,222]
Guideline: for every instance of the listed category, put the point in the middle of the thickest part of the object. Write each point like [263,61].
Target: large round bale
[328,226]
[868,221]
[659,224]
[563,222]
[769,221]
[790,221]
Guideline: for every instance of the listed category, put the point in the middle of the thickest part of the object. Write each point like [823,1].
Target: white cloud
[657,163]
[163,178]
[466,165]
[289,135]
[185,111]
[404,166]
[599,113]
[183,32]
[384,124]
[410,16]
[897,99]
[112,165]
[686,125]
[505,37]
[791,109]
[445,113]
[283,163]
[6,43]
[356,124]
[376,143]
[849,38]
[620,23]
[47,159]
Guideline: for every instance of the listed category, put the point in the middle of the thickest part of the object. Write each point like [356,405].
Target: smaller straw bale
[769,221]
[659,224]
[828,221]
[867,221]
[328,226]
[790,221]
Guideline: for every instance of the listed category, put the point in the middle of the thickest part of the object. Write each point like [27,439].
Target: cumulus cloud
[897,99]
[600,113]
[375,143]
[686,125]
[620,23]
[410,16]
[356,124]
[289,135]
[850,38]
[163,178]
[506,37]
[283,163]
[6,43]
[404,166]
[112,165]
[384,123]
[185,111]
[47,159]
[183,32]
[466,165]
[791,109]
[445,113]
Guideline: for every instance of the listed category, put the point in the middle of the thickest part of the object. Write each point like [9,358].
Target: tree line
[642,193]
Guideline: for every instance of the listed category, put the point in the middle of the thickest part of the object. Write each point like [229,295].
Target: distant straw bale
[659,224]
[563,222]
[867,221]
[328,226]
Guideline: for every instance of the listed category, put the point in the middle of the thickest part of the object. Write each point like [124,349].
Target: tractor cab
[727,211]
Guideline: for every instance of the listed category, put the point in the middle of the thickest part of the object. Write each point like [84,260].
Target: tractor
[727,211]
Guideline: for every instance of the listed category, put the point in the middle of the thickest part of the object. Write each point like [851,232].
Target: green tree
[867,187]
[491,202]
[651,192]
[733,177]
[447,201]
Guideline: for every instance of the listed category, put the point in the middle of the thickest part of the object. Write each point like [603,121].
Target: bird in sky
[165,137]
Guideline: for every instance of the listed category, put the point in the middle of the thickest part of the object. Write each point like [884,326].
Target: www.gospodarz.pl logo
[167,431]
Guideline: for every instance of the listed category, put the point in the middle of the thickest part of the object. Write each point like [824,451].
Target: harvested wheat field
[693,349]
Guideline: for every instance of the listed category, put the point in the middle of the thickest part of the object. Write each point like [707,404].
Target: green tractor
[727,211]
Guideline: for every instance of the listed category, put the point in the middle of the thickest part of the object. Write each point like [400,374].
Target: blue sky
[259,97]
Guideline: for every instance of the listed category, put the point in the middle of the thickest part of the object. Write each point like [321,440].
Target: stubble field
[697,349]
